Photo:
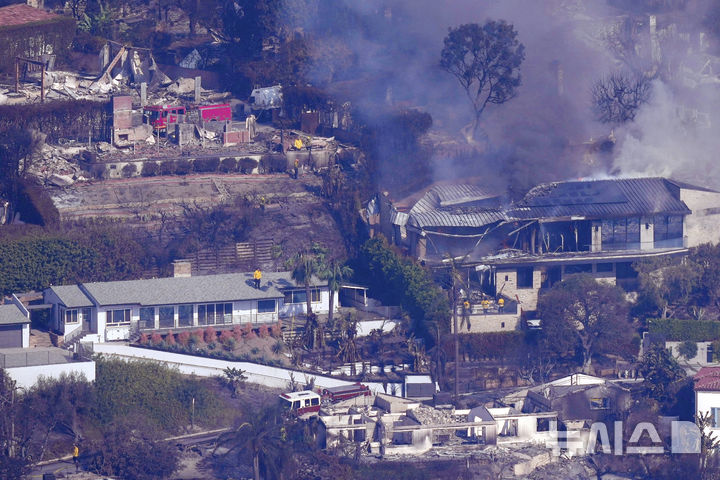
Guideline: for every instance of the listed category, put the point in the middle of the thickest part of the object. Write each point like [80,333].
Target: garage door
[10,336]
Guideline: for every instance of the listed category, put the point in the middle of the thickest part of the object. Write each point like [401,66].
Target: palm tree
[305,266]
[259,433]
[335,274]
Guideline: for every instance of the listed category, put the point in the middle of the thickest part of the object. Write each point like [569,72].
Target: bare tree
[617,98]
[486,61]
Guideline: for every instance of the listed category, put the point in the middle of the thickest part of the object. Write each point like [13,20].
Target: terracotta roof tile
[20,14]
[707,379]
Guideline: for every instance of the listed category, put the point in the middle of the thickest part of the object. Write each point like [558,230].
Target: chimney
[182,268]
[654,43]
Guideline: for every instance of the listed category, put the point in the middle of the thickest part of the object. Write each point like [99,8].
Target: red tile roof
[20,14]
[707,379]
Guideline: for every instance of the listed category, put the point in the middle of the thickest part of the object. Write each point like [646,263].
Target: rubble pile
[432,416]
[57,165]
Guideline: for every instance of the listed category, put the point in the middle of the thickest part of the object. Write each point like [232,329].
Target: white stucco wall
[273,377]
[704,401]
[528,296]
[26,336]
[26,377]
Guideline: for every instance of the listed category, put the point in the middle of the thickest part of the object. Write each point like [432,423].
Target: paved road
[64,465]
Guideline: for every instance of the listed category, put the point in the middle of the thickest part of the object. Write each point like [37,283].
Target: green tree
[688,350]
[258,433]
[234,378]
[395,279]
[583,313]
[131,449]
[660,371]
[335,275]
[305,265]
[58,404]
[486,61]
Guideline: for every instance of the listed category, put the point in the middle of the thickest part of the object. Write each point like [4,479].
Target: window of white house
[715,417]
[166,317]
[185,315]
[299,296]
[266,306]
[147,317]
[118,317]
[71,317]
[215,313]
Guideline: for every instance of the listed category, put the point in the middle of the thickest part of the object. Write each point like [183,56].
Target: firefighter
[76,456]
[501,304]
[257,276]
[485,305]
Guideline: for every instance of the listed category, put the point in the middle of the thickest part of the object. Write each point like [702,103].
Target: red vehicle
[301,402]
[160,116]
[346,391]
[212,113]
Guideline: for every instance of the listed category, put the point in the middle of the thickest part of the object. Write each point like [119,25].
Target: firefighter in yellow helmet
[257,276]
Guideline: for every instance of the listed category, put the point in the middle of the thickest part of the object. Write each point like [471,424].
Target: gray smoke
[543,134]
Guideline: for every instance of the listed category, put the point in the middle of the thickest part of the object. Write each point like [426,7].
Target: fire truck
[160,116]
[301,402]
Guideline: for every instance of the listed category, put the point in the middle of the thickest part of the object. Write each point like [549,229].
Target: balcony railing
[242,319]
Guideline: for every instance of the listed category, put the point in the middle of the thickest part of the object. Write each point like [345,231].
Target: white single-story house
[117,310]
[14,326]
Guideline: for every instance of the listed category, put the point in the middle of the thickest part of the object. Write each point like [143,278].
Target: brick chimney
[182,268]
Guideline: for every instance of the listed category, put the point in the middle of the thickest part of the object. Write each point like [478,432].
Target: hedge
[675,330]
[73,119]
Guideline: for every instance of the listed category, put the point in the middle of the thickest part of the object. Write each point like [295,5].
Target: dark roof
[601,198]
[71,296]
[707,379]
[200,289]
[456,206]
[10,315]
[20,14]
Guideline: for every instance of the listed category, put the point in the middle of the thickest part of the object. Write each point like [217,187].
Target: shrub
[255,350]
[183,166]
[156,339]
[212,345]
[238,332]
[129,170]
[149,169]
[228,165]
[170,338]
[688,349]
[276,330]
[183,338]
[143,339]
[263,331]
[230,344]
[247,165]
[167,167]
[196,337]
[248,331]
[225,335]
[210,334]
[206,164]
[273,163]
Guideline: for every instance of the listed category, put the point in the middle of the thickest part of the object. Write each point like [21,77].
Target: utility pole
[455,334]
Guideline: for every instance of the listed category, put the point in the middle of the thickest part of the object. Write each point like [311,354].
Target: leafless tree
[617,98]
